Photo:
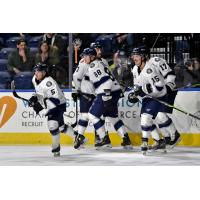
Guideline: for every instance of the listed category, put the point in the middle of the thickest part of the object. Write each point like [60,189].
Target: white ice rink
[41,156]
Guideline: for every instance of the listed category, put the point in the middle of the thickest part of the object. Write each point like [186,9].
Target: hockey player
[49,96]
[149,81]
[107,92]
[86,95]
[99,51]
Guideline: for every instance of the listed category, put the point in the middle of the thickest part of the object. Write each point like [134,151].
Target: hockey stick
[171,106]
[76,111]
[155,41]
[188,86]
[174,107]
[15,93]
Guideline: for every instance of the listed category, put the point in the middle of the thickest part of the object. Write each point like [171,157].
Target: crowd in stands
[21,51]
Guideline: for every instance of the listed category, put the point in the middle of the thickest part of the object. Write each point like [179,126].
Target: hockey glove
[37,107]
[138,91]
[76,95]
[32,101]
[132,98]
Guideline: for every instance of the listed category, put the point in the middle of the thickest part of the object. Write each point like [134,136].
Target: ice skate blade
[144,153]
[82,146]
[108,146]
[157,151]
[56,154]
[172,146]
[128,147]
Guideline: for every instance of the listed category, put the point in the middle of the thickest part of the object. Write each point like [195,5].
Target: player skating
[49,96]
[148,80]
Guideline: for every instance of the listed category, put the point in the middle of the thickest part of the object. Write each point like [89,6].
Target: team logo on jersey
[92,65]
[157,59]
[49,83]
[149,71]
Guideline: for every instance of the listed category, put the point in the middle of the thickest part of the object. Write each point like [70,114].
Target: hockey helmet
[41,67]
[85,51]
[140,50]
[96,45]
[90,52]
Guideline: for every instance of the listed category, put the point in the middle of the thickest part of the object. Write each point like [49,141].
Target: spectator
[191,76]
[48,55]
[122,69]
[196,64]
[21,59]
[56,41]
[121,43]
[178,69]
[125,42]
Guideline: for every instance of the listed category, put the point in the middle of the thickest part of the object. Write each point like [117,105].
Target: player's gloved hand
[32,101]
[37,107]
[132,98]
[138,91]
[76,95]
[169,90]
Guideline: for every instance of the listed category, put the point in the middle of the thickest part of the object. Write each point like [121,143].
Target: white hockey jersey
[48,92]
[149,75]
[81,80]
[105,62]
[101,77]
[165,70]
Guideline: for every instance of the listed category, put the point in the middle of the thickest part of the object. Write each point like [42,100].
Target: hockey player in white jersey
[169,77]
[148,80]
[107,92]
[49,96]
[99,50]
[85,94]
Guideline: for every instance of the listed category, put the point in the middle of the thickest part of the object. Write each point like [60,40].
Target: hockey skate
[79,141]
[167,142]
[104,143]
[126,143]
[176,140]
[144,146]
[159,145]
[56,151]
[97,138]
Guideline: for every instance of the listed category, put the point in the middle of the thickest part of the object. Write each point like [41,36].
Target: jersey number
[53,91]
[163,66]
[97,73]
[155,79]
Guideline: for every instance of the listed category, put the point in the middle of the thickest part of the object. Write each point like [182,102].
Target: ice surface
[42,156]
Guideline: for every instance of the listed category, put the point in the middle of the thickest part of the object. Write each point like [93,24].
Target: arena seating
[24,80]
[3,64]
[5,80]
